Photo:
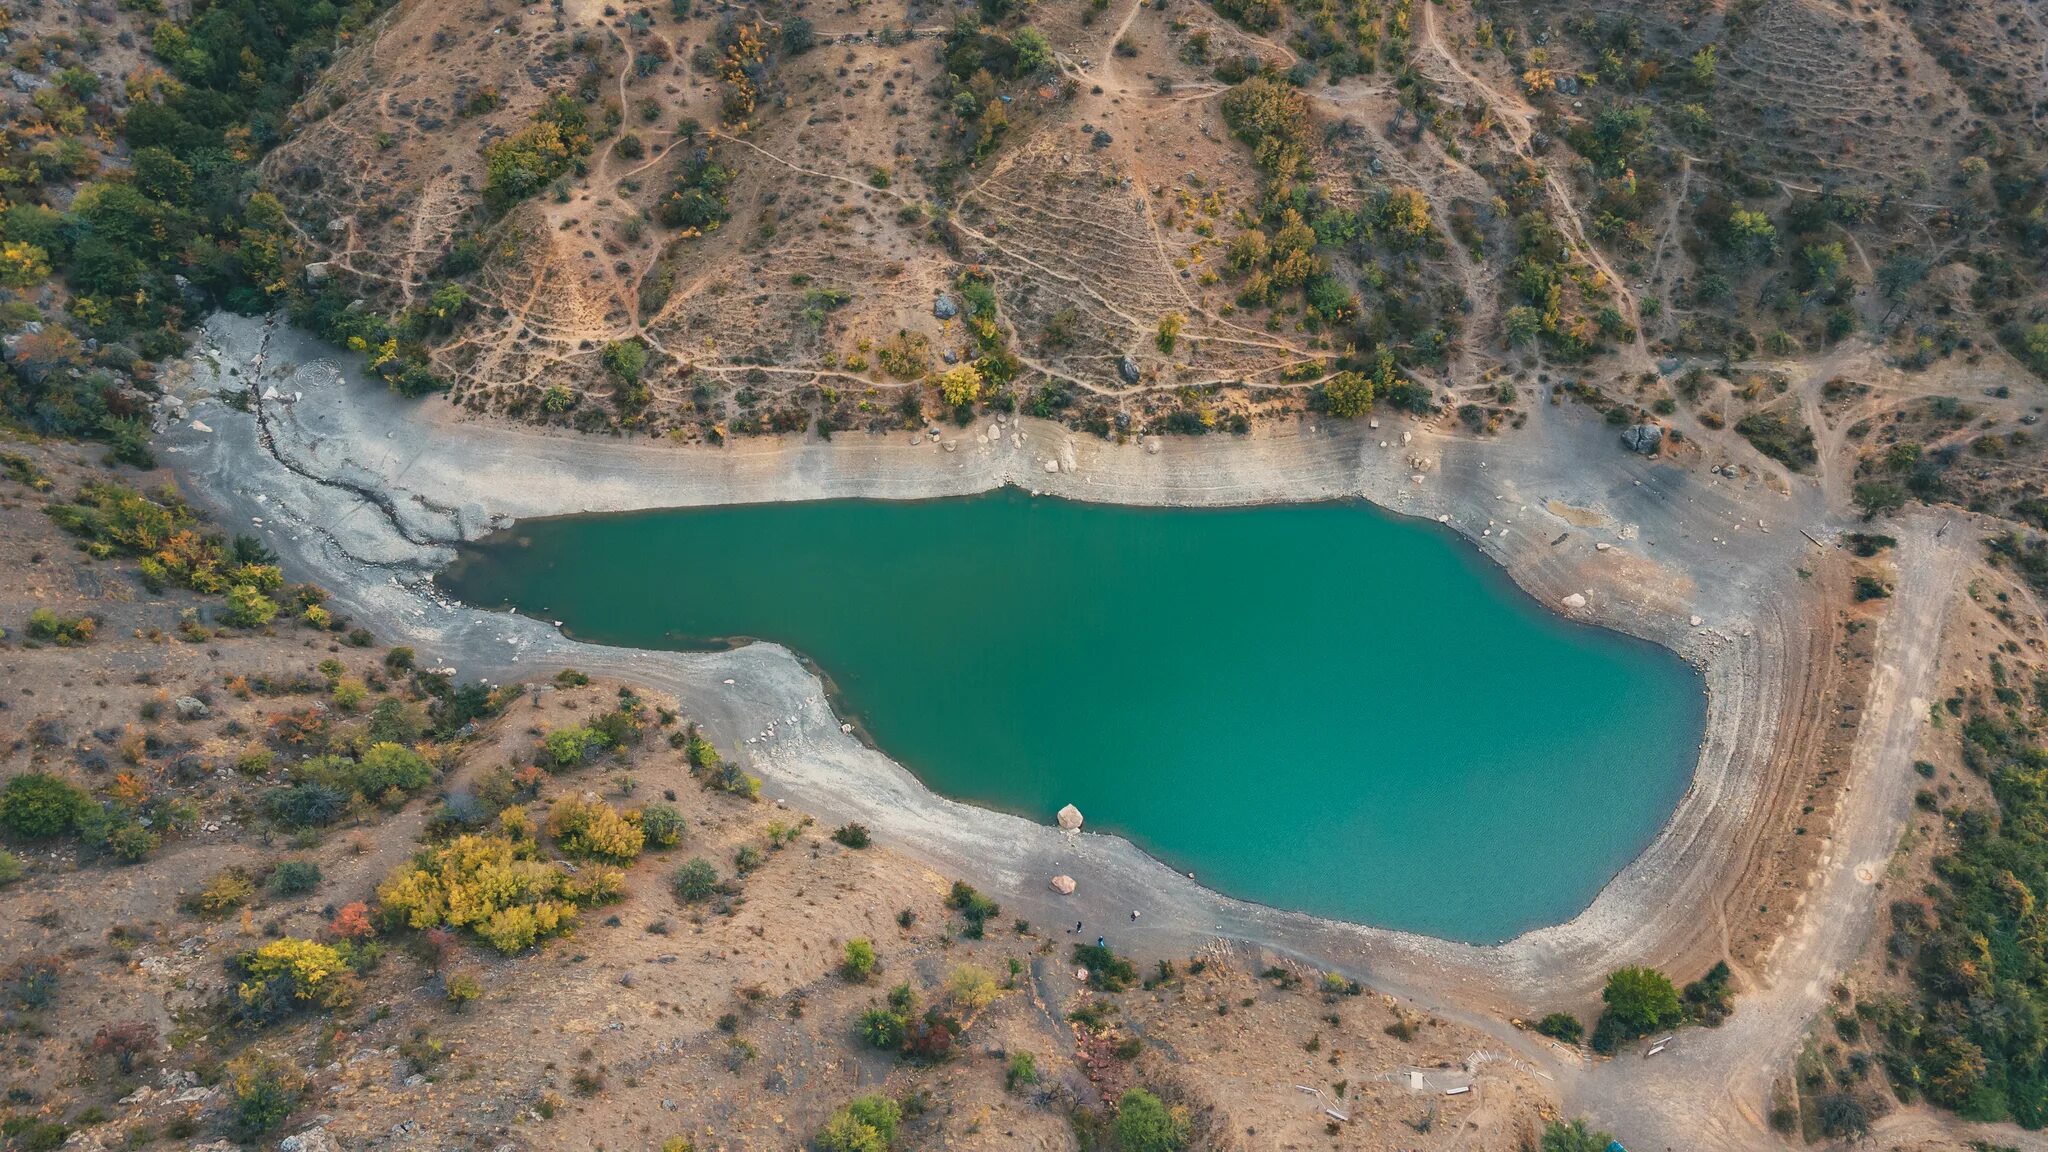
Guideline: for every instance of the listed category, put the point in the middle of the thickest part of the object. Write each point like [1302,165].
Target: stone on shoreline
[1070,818]
[1575,601]
[1064,885]
[1643,438]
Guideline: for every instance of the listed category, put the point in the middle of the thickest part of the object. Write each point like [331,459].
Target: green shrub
[1145,1124]
[63,631]
[1574,1137]
[1639,1001]
[852,835]
[262,1092]
[866,1124]
[226,891]
[248,607]
[568,747]
[38,806]
[132,843]
[662,825]
[1022,1070]
[625,360]
[1710,999]
[463,989]
[696,881]
[859,961]
[10,868]
[294,878]
[883,1028]
[973,907]
[1562,1026]
[522,164]
[1107,971]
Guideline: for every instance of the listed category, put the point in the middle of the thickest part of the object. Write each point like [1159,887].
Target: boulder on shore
[1643,438]
[1064,885]
[1070,819]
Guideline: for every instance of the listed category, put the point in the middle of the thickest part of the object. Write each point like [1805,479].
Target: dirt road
[1710,1088]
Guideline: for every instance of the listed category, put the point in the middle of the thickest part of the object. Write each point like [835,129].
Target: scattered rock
[1064,885]
[191,708]
[944,308]
[1128,369]
[317,273]
[1052,465]
[1070,819]
[314,1139]
[1643,438]
[1575,601]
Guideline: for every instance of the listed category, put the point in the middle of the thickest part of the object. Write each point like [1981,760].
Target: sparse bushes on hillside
[553,145]
[324,787]
[973,907]
[717,774]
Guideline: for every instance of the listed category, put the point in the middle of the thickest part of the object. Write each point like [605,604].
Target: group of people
[1100,940]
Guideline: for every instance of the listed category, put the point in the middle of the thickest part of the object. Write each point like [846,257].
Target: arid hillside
[706,221]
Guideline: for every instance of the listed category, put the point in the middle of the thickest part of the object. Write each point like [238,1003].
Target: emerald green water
[1318,706]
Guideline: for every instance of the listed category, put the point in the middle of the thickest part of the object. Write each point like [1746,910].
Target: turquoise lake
[1319,707]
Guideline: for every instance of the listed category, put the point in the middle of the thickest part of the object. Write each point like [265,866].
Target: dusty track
[1680,544]
[1709,1089]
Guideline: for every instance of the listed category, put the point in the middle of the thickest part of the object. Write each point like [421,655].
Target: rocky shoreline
[368,494]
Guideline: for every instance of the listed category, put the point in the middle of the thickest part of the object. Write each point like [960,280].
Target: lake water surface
[1315,706]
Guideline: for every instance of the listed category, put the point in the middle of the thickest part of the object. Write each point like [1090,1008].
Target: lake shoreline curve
[368,494]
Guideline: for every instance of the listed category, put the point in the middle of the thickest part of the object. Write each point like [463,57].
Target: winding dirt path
[1517,119]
